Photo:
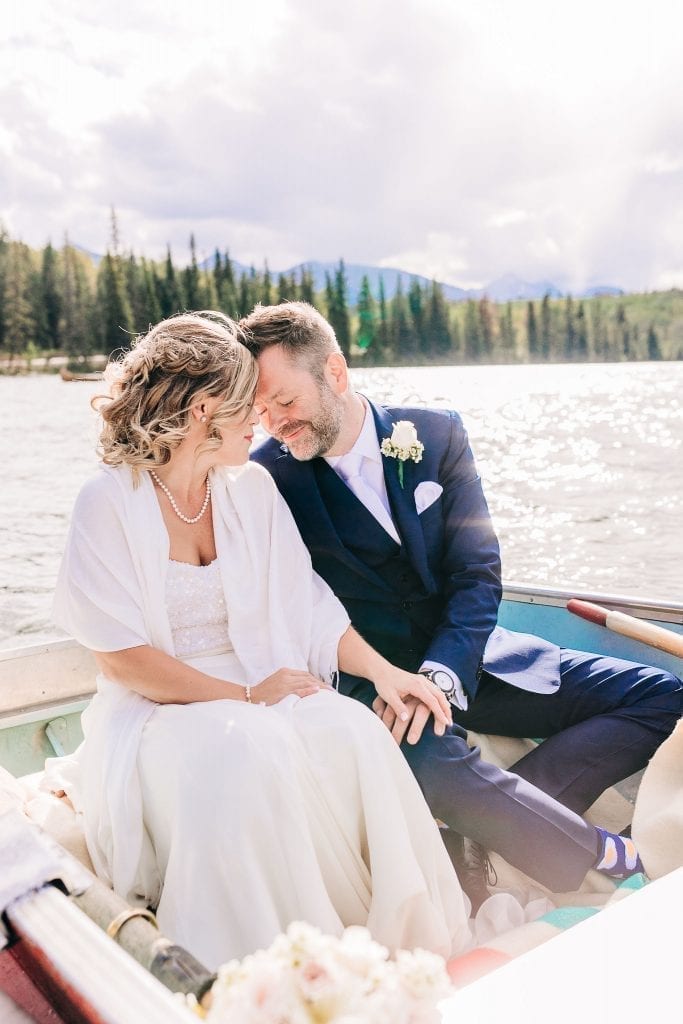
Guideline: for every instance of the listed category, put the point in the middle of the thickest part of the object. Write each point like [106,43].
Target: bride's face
[236,436]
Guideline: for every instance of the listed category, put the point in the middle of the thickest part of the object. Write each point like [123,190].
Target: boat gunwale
[639,607]
[23,697]
[42,712]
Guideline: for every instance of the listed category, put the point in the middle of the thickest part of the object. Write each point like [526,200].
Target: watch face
[443,681]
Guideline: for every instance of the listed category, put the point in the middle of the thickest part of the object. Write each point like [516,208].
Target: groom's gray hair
[304,334]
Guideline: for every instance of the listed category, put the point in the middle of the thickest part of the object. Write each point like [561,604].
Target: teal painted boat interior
[556,624]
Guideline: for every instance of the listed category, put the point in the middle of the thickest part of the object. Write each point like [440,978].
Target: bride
[222,779]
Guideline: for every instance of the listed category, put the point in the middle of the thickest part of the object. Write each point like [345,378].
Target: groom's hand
[419,714]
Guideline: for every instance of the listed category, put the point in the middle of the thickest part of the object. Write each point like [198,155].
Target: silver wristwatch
[443,680]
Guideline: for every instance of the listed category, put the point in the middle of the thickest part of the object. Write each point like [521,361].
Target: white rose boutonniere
[403,445]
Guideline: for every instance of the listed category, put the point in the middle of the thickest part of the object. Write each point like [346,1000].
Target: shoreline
[20,366]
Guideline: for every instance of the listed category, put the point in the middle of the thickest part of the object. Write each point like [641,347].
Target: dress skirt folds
[300,811]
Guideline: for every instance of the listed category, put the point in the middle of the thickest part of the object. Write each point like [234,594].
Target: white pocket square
[426,494]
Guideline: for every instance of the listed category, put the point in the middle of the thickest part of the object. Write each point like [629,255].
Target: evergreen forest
[63,302]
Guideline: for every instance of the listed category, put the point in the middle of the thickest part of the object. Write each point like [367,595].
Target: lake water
[582,466]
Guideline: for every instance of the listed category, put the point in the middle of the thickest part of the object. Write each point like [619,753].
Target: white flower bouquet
[403,445]
[310,978]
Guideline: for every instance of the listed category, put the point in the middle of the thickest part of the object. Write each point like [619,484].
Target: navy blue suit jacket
[451,547]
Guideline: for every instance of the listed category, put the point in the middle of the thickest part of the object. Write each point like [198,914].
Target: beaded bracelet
[247,694]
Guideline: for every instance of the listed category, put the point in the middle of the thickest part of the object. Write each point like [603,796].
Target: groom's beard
[319,433]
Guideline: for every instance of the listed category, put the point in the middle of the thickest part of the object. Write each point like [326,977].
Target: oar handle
[628,625]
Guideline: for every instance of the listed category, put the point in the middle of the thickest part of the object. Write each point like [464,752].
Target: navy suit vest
[402,623]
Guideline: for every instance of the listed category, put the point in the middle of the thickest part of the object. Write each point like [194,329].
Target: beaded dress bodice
[196,608]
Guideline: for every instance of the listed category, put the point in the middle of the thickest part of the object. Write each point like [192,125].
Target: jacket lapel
[402,500]
[302,491]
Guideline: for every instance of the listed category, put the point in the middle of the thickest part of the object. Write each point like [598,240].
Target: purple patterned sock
[618,856]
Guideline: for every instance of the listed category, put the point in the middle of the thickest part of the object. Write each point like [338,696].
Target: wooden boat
[44,689]
[67,374]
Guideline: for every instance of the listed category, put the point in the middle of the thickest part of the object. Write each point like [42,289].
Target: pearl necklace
[174,506]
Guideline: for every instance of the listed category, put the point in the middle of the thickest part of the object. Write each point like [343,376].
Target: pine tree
[653,349]
[329,296]
[599,330]
[417,315]
[532,332]
[78,339]
[547,332]
[306,286]
[207,290]
[472,333]
[438,329]
[367,317]
[623,334]
[456,341]
[114,238]
[383,336]
[227,296]
[337,308]
[486,327]
[569,346]
[114,314]
[223,286]
[217,274]
[401,329]
[151,293]
[581,347]
[20,325]
[48,301]
[287,290]
[267,287]
[171,297]
[137,293]
[4,257]
[191,282]
[508,339]
[246,296]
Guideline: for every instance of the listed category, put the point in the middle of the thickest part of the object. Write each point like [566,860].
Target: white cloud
[505,218]
[663,163]
[460,140]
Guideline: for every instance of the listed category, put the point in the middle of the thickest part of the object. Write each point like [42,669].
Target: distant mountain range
[503,289]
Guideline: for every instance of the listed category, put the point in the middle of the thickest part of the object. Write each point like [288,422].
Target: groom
[409,548]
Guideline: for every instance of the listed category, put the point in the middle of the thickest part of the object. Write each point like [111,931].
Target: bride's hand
[283,682]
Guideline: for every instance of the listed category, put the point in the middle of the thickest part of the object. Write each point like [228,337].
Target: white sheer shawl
[111,596]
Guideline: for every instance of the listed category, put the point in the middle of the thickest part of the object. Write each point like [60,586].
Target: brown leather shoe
[472,866]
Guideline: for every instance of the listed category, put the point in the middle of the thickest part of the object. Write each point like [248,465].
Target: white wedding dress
[304,810]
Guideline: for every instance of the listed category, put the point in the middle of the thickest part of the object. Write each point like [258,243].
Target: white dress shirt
[362,470]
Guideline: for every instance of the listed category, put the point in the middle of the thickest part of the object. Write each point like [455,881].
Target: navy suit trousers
[605,721]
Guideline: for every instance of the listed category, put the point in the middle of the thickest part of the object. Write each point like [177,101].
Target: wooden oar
[628,625]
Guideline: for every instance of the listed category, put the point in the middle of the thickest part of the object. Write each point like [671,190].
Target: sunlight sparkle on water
[581,466]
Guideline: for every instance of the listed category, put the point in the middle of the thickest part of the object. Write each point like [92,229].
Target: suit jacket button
[406,605]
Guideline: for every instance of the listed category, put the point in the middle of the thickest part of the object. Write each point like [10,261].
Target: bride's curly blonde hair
[181,361]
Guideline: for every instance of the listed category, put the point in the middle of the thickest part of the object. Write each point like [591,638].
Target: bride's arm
[392,684]
[166,680]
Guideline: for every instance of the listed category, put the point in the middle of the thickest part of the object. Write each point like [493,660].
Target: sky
[459,139]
